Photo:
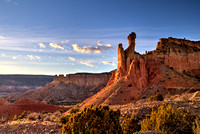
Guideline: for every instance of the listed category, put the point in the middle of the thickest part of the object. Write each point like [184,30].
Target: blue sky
[65,36]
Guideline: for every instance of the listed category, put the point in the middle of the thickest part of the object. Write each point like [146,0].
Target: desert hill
[72,88]
[8,109]
[172,68]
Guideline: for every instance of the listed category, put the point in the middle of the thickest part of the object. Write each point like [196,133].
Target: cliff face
[172,68]
[72,88]
[83,79]
[181,55]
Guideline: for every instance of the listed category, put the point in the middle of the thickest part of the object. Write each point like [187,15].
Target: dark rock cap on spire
[132,36]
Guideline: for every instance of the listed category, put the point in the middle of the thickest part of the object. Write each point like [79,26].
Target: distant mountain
[22,83]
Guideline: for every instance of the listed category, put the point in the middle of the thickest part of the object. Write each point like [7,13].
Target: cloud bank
[87,64]
[14,57]
[32,57]
[99,43]
[90,49]
[3,55]
[66,41]
[55,45]
[1,37]
[108,63]
[72,59]
[42,45]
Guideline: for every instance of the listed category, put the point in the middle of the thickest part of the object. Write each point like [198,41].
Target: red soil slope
[8,109]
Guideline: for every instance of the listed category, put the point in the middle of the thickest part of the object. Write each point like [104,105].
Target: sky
[64,36]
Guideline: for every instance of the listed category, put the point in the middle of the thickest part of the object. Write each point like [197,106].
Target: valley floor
[47,124]
[143,108]
[24,127]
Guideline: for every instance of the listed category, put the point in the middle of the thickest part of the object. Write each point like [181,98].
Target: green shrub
[53,118]
[14,117]
[94,120]
[61,111]
[196,127]
[34,116]
[166,120]
[64,119]
[74,110]
[44,112]
[38,117]
[130,125]
[157,97]
[22,115]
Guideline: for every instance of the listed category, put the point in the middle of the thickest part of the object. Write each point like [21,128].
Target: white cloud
[89,49]
[72,59]
[54,45]
[87,64]
[37,57]
[66,41]
[11,1]
[3,55]
[114,57]
[31,57]
[14,57]
[108,63]
[77,48]
[1,37]
[99,43]
[41,45]
[41,50]
[108,45]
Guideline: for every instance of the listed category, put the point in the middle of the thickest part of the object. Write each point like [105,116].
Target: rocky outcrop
[173,67]
[72,88]
[181,55]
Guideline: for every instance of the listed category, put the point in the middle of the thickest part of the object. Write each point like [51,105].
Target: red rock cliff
[180,54]
[173,67]
[84,79]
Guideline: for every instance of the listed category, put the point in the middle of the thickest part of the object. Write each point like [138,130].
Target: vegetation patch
[101,119]
[168,121]
[157,97]
[130,125]
[92,119]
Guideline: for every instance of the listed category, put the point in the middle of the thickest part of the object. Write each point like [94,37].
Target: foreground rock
[47,124]
[172,68]
[143,108]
